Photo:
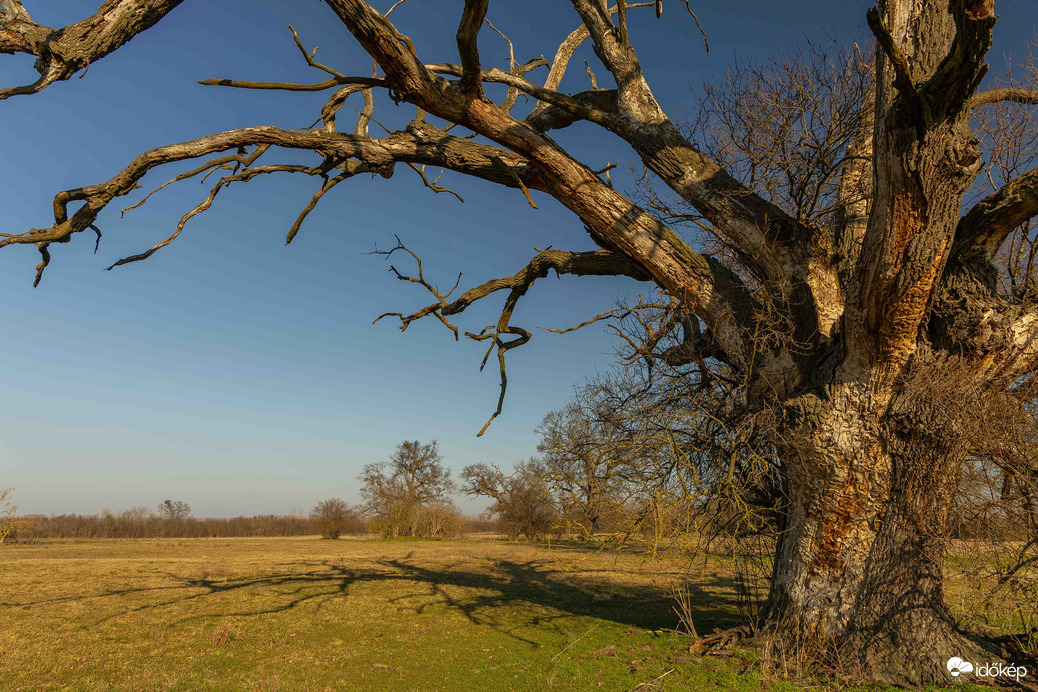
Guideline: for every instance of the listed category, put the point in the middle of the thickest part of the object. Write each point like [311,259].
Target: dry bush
[399,519]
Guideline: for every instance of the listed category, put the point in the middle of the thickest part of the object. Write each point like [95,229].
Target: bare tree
[902,289]
[522,501]
[10,523]
[174,510]
[583,455]
[409,495]
[335,517]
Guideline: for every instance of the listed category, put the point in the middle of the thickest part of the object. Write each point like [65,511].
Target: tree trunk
[836,479]
[902,631]
[872,448]
[859,568]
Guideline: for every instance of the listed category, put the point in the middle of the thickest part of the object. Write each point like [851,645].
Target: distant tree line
[142,522]
[172,519]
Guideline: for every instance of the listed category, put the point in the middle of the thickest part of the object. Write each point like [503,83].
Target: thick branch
[565,51]
[595,105]
[421,143]
[983,229]
[953,85]
[468,33]
[390,49]
[12,11]
[577,107]
[767,241]
[1014,94]
[592,263]
[903,82]
[924,162]
[62,52]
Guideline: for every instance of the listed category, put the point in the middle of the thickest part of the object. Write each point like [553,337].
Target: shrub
[335,517]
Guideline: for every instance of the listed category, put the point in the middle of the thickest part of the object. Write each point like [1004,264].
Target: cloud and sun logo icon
[956,666]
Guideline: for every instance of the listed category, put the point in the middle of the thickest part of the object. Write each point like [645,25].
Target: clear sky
[244,377]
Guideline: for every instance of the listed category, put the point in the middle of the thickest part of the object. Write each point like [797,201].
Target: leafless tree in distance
[409,495]
[522,501]
[174,510]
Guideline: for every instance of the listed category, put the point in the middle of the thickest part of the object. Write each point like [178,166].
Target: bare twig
[433,185]
[568,646]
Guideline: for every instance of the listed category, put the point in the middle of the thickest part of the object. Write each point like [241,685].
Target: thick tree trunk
[872,451]
[859,567]
[836,478]
[902,631]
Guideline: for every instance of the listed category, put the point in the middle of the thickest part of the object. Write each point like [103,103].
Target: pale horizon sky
[244,377]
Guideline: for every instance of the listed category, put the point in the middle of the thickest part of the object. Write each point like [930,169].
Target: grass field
[306,614]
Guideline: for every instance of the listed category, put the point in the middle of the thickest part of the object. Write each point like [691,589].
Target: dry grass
[306,614]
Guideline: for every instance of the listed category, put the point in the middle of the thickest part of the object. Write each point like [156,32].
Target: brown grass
[306,614]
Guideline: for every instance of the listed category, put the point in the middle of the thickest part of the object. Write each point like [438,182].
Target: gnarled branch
[592,263]
[984,227]
[468,33]
[62,52]
[1014,94]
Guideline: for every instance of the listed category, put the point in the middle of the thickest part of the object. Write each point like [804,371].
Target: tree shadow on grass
[504,594]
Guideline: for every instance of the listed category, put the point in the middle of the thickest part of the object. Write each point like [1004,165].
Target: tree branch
[950,90]
[420,143]
[12,11]
[63,52]
[917,106]
[984,227]
[767,241]
[613,221]
[593,263]
[468,33]
[291,86]
[1014,94]
[526,159]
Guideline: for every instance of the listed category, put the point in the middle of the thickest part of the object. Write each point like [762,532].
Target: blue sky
[244,377]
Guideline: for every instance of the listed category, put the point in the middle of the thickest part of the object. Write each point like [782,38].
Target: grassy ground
[306,614]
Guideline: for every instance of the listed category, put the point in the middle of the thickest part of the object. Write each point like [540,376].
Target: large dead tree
[905,284]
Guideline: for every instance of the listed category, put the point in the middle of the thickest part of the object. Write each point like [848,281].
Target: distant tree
[172,510]
[10,523]
[522,501]
[335,517]
[583,458]
[412,483]
[133,522]
[137,513]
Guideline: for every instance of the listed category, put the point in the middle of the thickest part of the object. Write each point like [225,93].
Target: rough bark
[871,472]
[60,53]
